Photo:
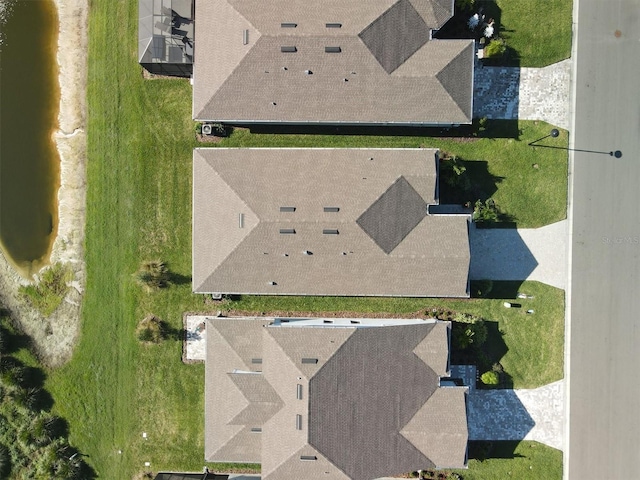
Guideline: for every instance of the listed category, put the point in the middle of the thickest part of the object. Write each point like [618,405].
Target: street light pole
[555,133]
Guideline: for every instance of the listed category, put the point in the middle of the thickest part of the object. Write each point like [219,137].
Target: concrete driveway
[511,93]
[532,414]
[520,254]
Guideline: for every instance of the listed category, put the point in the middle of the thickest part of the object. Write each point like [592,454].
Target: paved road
[604,337]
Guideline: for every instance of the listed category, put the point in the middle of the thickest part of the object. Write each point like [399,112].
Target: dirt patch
[54,337]
[208,138]
[154,76]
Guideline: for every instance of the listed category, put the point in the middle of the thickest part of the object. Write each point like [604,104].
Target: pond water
[29,161]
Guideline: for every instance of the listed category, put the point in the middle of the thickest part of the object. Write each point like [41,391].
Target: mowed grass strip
[138,206]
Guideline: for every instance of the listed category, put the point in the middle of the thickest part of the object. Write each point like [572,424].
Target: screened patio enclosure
[165,36]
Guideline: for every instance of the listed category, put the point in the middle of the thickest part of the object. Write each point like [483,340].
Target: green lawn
[515,460]
[537,33]
[140,138]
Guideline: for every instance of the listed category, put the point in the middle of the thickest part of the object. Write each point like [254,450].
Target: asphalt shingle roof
[380,241]
[371,406]
[383,68]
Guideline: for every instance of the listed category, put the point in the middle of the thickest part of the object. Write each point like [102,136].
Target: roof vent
[332,209]
[288,209]
[330,231]
[308,72]
[288,25]
[256,360]
[273,283]
[288,49]
[307,252]
[309,361]
[298,422]
[287,231]
[332,49]
[333,25]
[245,37]
[256,430]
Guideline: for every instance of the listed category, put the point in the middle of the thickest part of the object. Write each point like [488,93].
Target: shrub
[150,330]
[153,274]
[490,378]
[468,330]
[486,212]
[47,293]
[453,172]
[5,461]
[495,49]
[221,130]
[12,377]
[482,288]
[465,5]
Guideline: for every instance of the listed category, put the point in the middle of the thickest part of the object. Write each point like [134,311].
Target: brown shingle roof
[244,243]
[242,74]
[370,407]
[230,346]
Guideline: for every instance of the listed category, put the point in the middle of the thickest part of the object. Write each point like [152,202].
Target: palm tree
[150,329]
[153,274]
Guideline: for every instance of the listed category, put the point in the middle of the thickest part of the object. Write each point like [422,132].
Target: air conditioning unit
[207,129]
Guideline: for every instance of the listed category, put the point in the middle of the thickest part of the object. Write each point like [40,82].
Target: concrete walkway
[512,93]
[520,254]
[536,414]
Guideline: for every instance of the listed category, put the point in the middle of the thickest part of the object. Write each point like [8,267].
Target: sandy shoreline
[54,337]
